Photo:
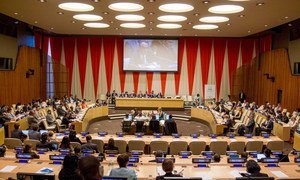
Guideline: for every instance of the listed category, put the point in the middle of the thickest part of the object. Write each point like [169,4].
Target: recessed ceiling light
[196,35]
[35,22]
[96,25]
[16,22]
[239,0]
[52,28]
[266,25]
[133,25]
[83,28]
[286,17]
[151,1]
[290,24]
[242,15]
[205,26]
[60,13]
[218,30]
[111,22]
[151,22]
[226,9]
[169,26]
[15,13]
[87,17]
[260,4]
[96,0]
[165,34]
[150,29]
[105,13]
[73,22]
[205,2]
[249,31]
[172,18]
[189,23]
[125,7]
[77,7]
[120,33]
[130,17]
[214,19]
[176,7]
[228,24]
[150,13]
[42,1]
[116,28]
[135,33]
[196,14]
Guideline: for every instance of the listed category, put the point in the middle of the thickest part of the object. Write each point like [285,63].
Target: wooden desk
[282,131]
[208,117]
[296,145]
[151,103]
[90,115]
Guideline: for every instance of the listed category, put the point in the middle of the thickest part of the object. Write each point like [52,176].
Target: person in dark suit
[89,144]
[73,137]
[168,167]
[284,118]
[28,150]
[251,124]
[44,143]
[228,122]
[49,118]
[69,168]
[34,134]
[254,169]
[16,133]
[113,97]
[242,97]
[111,145]
[31,119]
[268,125]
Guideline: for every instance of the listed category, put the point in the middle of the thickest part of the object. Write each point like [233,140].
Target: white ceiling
[257,18]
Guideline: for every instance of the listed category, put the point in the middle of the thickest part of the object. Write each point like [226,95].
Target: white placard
[279,174]
[8,169]
[210,91]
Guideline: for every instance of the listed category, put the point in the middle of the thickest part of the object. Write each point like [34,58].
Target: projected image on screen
[150,55]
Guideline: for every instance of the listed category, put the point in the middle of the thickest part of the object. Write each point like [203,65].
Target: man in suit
[16,133]
[49,118]
[123,171]
[89,144]
[251,123]
[113,96]
[254,169]
[268,125]
[168,167]
[34,134]
[242,96]
[31,119]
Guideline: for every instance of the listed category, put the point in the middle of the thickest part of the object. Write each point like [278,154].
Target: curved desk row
[149,103]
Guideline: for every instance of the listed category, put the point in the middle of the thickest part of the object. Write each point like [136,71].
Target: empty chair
[31,142]
[219,147]
[99,143]
[47,127]
[158,146]
[238,146]
[11,143]
[138,145]
[75,144]
[254,146]
[197,147]
[275,145]
[122,145]
[177,146]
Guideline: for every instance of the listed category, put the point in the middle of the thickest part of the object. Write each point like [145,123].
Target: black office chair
[35,176]
[126,126]
[154,126]
[139,126]
[255,178]
[170,127]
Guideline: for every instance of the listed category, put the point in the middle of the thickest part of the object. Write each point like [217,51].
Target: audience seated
[89,168]
[69,168]
[123,171]
[49,118]
[168,167]
[216,158]
[254,169]
[45,142]
[73,137]
[89,144]
[16,133]
[34,134]
[111,145]
[28,150]
[65,143]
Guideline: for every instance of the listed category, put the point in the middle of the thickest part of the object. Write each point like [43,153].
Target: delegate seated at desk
[161,114]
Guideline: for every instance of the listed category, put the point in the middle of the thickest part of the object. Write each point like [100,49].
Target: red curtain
[95,48]
[136,76]
[69,48]
[247,50]
[233,48]
[191,54]
[56,47]
[37,40]
[120,62]
[109,49]
[205,52]
[163,79]
[181,42]
[265,43]
[149,81]
[82,48]
[219,52]
[45,44]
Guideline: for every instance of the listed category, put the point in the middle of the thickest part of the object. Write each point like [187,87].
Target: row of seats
[196,147]
[258,118]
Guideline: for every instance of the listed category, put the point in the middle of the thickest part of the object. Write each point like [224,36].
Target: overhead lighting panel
[96,25]
[169,26]
[172,18]
[130,17]
[176,7]
[214,19]
[87,17]
[205,26]
[75,6]
[126,7]
[226,9]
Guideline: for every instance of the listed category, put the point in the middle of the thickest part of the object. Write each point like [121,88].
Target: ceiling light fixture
[133,25]
[228,24]
[266,25]
[169,26]
[35,22]
[73,22]
[52,28]
[172,18]
[15,13]
[42,1]
[151,1]
[260,4]
[286,17]
[96,25]
[105,13]
[242,15]
[75,6]
[249,31]
[87,17]
[205,26]
[196,14]
[96,1]
[290,24]
[176,7]
[60,13]
[205,2]
[83,28]
[226,9]
[130,17]
[214,19]
[126,7]
[150,13]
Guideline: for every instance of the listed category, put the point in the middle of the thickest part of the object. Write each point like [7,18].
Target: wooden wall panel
[251,79]
[15,87]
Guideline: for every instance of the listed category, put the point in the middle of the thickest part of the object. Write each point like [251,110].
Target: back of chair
[177,146]
[11,143]
[275,145]
[238,146]
[122,145]
[99,143]
[139,126]
[31,142]
[254,146]
[219,147]
[197,147]
[75,144]
[158,146]
[136,145]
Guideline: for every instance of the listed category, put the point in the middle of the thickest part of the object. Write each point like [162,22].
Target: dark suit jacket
[47,145]
[76,139]
[91,146]
[258,175]
[34,135]
[167,175]
[269,125]
[16,134]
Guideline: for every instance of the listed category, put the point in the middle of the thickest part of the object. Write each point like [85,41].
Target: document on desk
[45,170]
[236,173]
[279,174]
[8,169]
[233,140]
